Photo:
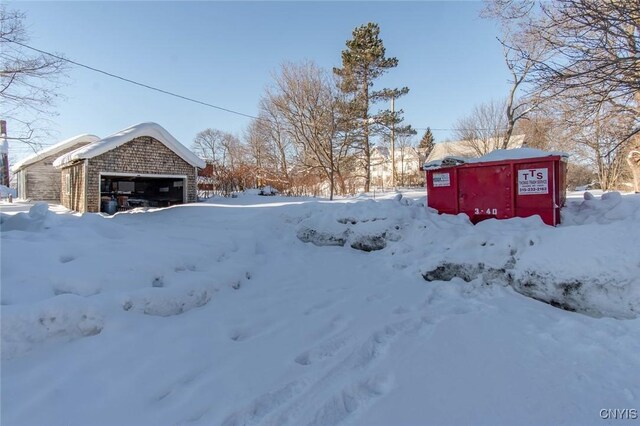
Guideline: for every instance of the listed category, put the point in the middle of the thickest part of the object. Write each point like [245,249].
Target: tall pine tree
[426,145]
[362,63]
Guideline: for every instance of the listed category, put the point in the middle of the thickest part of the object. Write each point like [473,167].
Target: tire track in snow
[327,398]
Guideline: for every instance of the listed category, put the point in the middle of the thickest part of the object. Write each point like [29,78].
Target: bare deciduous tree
[483,130]
[29,81]
[224,155]
[593,56]
[521,51]
[589,58]
[305,98]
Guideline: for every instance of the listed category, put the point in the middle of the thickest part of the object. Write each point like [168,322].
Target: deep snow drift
[270,310]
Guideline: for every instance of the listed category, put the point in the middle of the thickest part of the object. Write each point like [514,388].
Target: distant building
[407,162]
[36,177]
[470,149]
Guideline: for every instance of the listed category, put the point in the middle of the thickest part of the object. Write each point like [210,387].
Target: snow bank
[358,225]
[610,207]
[32,221]
[578,268]
[59,319]
[272,310]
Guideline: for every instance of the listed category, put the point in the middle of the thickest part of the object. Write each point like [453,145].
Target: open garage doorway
[120,192]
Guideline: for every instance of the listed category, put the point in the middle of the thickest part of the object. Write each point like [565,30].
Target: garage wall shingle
[72,187]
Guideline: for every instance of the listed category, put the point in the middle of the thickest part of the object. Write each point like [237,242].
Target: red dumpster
[503,184]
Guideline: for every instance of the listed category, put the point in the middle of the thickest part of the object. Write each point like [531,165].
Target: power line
[128,80]
[176,95]
[450,130]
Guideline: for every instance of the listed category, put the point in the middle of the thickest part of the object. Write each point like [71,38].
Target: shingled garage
[141,166]
[36,177]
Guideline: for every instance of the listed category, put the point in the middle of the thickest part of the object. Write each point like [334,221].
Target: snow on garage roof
[153,130]
[54,149]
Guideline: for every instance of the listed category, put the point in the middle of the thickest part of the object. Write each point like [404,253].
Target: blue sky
[225,53]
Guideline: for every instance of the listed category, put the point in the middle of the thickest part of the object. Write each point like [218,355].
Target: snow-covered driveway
[221,313]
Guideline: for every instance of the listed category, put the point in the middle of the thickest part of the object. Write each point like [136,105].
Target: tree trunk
[634,164]
[367,149]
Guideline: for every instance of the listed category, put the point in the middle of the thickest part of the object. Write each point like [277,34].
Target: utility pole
[393,143]
[4,155]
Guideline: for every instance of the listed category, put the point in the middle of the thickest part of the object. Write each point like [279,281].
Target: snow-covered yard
[290,311]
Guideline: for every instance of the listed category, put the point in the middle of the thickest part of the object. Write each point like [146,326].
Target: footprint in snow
[353,397]
[255,412]
[321,352]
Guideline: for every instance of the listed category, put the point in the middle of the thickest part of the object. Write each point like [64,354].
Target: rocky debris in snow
[356,227]
[591,296]
[446,271]
[369,242]
[320,238]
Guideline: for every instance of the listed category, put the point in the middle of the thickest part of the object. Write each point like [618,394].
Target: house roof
[109,143]
[55,149]
[465,148]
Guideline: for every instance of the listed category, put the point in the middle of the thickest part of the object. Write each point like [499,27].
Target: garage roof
[153,130]
[55,149]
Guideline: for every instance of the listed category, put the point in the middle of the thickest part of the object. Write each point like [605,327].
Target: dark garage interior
[120,193]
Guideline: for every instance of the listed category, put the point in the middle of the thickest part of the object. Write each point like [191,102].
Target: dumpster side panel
[562,182]
[485,191]
[561,167]
[536,190]
[442,190]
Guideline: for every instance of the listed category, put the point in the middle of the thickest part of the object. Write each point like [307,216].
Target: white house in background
[408,165]
[470,149]
[36,177]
